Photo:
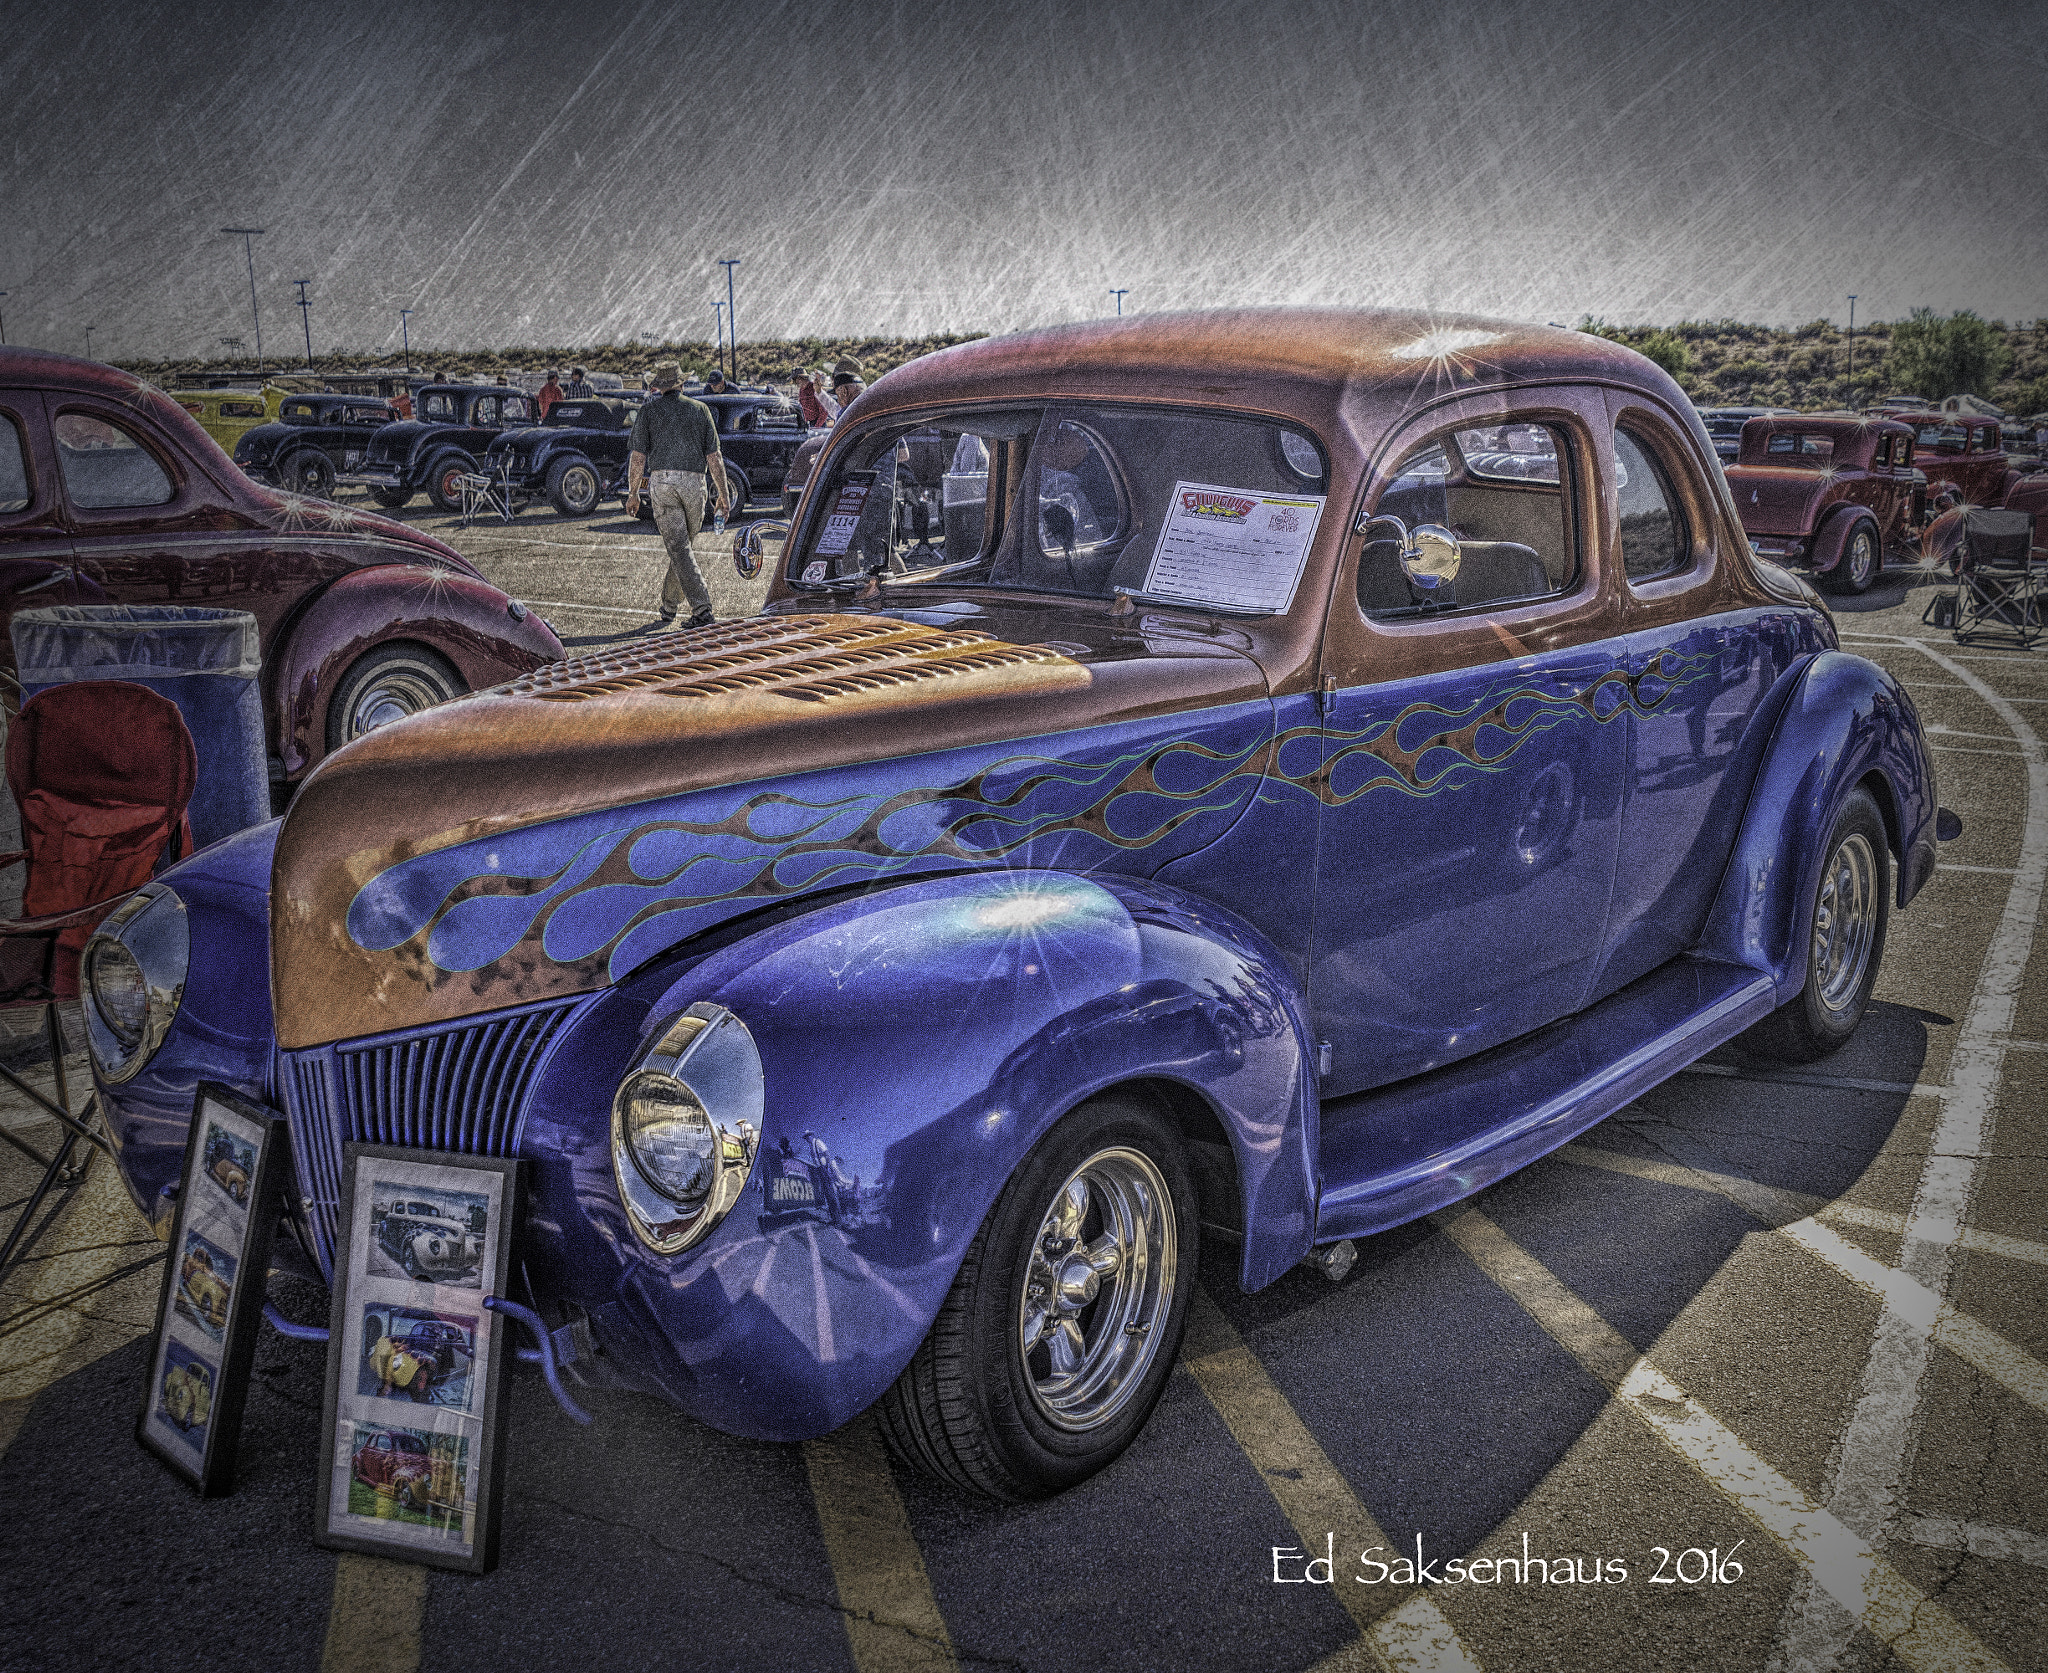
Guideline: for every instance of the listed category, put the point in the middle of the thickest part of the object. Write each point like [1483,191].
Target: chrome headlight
[133,974]
[686,1124]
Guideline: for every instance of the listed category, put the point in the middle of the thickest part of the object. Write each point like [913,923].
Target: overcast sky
[570,173]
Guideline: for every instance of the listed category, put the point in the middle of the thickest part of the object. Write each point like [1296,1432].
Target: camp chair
[102,771]
[1998,576]
[488,493]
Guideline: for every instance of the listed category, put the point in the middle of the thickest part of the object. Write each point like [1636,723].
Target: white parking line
[1870,1459]
[1861,1585]
[1945,1533]
[1314,1497]
[1964,749]
[1796,1077]
[1989,871]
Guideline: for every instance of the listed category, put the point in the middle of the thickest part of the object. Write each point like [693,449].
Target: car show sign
[1236,549]
[413,1459]
[236,1162]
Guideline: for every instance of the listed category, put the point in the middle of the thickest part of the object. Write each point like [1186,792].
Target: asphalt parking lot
[1754,1375]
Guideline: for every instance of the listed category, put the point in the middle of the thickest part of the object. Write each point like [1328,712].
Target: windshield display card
[1234,548]
[842,519]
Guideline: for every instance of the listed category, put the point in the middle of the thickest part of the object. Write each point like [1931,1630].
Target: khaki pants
[677,498]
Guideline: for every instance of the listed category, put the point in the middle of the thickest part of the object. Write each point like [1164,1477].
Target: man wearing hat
[678,439]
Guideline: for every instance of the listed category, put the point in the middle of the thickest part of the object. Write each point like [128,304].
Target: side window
[1652,537]
[104,466]
[1881,459]
[485,411]
[1079,509]
[14,495]
[1502,490]
[1902,455]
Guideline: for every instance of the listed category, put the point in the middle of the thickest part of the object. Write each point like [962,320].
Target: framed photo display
[418,1369]
[229,1195]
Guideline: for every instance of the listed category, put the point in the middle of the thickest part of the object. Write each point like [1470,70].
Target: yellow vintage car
[225,414]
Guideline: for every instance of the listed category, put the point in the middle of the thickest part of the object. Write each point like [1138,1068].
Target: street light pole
[1851,379]
[1120,295]
[249,250]
[3,326]
[732,318]
[718,332]
[405,332]
[306,319]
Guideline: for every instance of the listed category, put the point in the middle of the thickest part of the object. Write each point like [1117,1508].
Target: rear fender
[467,620]
[1845,720]
[915,1044]
[1832,539]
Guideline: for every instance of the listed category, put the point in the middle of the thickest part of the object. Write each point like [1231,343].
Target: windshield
[1087,500]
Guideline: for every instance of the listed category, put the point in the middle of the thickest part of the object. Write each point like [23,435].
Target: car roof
[1830,423]
[1370,365]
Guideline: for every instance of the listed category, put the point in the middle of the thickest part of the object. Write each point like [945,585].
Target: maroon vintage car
[1963,457]
[1831,490]
[396,1461]
[111,493]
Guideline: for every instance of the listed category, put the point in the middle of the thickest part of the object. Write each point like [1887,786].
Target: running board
[1475,1122]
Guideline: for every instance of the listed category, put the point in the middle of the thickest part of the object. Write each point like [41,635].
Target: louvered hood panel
[540,839]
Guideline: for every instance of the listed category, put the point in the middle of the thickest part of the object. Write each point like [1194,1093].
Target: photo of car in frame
[432,1235]
[1291,767]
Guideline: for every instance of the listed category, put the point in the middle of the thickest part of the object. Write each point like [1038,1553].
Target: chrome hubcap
[1098,1289]
[1859,557]
[1845,922]
[391,696]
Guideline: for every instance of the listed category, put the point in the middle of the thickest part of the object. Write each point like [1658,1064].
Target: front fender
[1846,720]
[916,1043]
[467,620]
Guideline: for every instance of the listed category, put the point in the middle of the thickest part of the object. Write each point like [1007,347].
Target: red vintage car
[1963,457]
[395,1461]
[1831,490]
[110,492]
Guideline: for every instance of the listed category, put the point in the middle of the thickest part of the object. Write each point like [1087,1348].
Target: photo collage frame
[417,1367]
[212,1297]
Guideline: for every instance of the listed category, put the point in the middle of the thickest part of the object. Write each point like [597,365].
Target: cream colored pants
[677,498]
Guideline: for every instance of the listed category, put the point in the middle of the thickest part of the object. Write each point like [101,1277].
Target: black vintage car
[579,455]
[451,427]
[314,440]
[575,457]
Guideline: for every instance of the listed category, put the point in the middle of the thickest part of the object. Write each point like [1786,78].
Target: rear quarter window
[14,494]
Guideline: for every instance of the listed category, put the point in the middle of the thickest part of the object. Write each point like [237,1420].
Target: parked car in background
[1724,426]
[229,414]
[111,493]
[451,428]
[313,441]
[1830,490]
[1314,763]
[1963,459]
[759,434]
[575,456]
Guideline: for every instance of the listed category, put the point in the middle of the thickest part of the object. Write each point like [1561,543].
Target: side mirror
[747,551]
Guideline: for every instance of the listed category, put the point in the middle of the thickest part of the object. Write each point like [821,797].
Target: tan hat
[666,375]
[849,364]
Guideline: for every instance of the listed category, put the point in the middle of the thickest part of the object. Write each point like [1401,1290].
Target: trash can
[205,661]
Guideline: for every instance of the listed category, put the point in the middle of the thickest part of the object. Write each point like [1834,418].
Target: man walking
[678,439]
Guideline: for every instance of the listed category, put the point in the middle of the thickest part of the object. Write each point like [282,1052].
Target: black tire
[310,472]
[1851,910]
[573,487]
[983,1409]
[443,488]
[387,684]
[391,498]
[1862,557]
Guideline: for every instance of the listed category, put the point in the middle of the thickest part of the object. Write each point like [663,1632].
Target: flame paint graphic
[602,898]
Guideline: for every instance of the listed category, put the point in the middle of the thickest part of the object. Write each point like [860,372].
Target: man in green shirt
[675,442]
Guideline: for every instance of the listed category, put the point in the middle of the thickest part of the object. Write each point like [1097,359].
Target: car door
[36,554]
[1473,747]
[1698,673]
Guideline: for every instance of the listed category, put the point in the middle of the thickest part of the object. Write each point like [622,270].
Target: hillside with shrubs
[1716,362]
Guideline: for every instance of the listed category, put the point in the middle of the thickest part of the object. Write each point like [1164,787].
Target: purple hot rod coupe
[1257,775]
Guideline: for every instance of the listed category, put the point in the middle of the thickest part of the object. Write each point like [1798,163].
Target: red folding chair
[102,771]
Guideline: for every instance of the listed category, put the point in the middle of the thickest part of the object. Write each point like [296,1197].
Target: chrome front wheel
[1097,1289]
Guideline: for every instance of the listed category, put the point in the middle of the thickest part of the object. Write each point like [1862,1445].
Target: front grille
[458,1087]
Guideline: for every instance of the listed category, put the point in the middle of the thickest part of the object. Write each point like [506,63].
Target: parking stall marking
[1861,1584]
[892,1618]
[374,1620]
[1946,1533]
[1796,1205]
[1314,1497]
[1877,1441]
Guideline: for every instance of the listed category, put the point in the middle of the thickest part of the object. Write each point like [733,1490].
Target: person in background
[846,388]
[715,384]
[678,438]
[550,393]
[579,387]
[811,399]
